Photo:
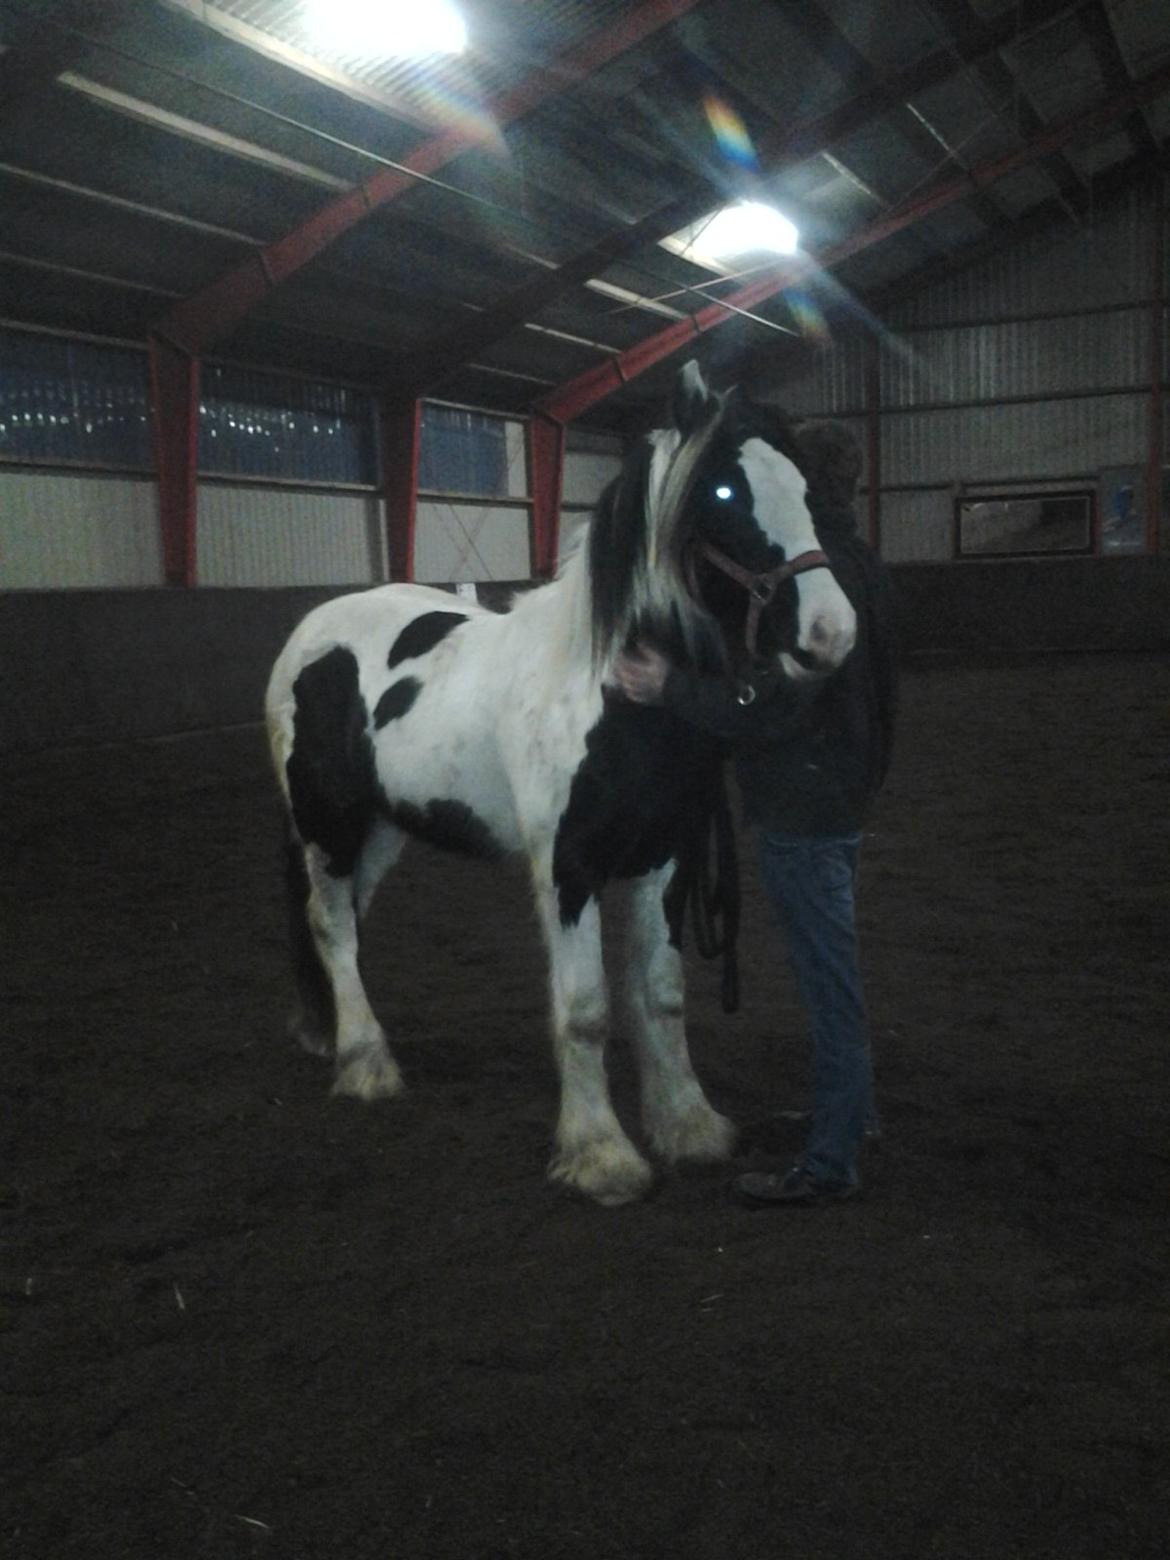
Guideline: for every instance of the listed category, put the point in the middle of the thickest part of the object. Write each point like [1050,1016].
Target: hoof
[702,1136]
[610,1173]
[309,1038]
[370,1075]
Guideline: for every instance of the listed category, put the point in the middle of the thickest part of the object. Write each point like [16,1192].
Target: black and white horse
[405,711]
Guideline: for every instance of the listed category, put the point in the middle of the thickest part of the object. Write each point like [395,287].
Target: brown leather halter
[761,587]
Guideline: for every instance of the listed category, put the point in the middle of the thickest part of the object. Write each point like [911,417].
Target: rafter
[780,149]
[41,48]
[1098,28]
[962,23]
[575,397]
[827,39]
[213,312]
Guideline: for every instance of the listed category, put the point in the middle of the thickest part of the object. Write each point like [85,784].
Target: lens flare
[730,132]
[807,314]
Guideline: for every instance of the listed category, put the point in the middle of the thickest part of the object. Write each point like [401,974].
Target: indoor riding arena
[297,300]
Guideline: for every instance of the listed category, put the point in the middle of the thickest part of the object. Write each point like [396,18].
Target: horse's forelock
[668,503]
[636,543]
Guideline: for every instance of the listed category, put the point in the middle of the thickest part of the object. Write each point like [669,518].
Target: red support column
[174,413]
[546,464]
[399,424]
[873,441]
[1155,453]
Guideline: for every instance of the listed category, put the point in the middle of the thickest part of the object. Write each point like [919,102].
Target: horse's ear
[693,399]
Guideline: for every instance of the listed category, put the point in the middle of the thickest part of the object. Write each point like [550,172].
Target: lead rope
[715,896]
[714,891]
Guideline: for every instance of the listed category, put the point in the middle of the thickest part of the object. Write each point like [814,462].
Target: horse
[406,711]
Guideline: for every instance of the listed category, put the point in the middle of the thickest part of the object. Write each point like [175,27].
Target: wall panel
[997,443]
[917,527]
[256,535]
[1105,261]
[464,541]
[60,530]
[1019,358]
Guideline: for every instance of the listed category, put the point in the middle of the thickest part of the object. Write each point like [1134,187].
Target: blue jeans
[809,880]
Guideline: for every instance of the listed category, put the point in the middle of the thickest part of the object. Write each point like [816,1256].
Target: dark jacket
[810,758]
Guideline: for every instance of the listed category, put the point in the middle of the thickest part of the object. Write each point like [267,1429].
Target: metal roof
[487,227]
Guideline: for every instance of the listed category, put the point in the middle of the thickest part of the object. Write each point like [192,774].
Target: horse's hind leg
[364,1066]
[679,1120]
[314,1020]
[592,1152]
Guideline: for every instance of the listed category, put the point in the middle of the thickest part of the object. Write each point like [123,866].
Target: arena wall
[89,666]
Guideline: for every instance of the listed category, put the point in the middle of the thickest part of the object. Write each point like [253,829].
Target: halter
[761,587]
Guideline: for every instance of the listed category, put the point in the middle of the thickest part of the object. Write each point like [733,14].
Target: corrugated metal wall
[462,541]
[985,382]
[1102,262]
[251,534]
[60,530]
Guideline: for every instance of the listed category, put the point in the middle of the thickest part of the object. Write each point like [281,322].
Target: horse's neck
[558,617]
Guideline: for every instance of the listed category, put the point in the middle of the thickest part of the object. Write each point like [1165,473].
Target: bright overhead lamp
[749,228]
[409,29]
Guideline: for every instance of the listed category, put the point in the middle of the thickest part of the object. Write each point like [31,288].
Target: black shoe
[797,1189]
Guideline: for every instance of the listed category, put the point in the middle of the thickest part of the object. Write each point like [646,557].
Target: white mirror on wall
[1008,525]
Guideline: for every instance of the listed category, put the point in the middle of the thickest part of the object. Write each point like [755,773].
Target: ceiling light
[749,228]
[406,28]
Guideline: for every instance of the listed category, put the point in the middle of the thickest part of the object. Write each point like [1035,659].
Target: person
[810,759]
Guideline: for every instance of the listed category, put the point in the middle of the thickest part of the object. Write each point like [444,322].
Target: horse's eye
[724,492]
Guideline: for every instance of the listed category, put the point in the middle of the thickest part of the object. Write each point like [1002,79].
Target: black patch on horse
[423,634]
[449,825]
[395,702]
[642,796]
[332,782]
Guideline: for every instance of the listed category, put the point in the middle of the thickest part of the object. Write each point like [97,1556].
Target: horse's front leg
[679,1120]
[592,1152]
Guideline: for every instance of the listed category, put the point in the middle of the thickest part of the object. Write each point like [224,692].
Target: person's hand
[641,675]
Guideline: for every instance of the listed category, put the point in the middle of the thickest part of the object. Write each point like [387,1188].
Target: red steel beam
[546,463]
[579,394]
[174,419]
[212,312]
[399,424]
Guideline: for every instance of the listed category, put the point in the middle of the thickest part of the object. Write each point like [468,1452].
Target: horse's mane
[635,550]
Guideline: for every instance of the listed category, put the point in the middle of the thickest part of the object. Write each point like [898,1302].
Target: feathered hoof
[608,1171]
[308,1038]
[370,1075]
[701,1136]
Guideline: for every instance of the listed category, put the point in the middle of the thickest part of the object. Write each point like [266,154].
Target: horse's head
[734,495]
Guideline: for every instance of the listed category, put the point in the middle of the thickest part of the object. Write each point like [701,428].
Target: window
[73,402]
[462,452]
[262,425]
[1008,525]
